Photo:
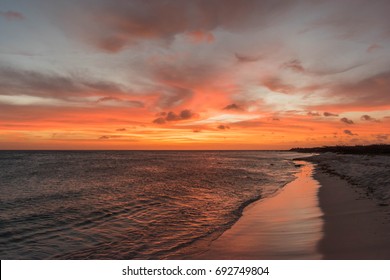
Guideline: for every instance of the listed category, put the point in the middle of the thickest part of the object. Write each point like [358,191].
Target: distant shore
[354,197]
[375,149]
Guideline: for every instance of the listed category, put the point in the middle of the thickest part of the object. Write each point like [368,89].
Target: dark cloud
[368,118]
[346,120]
[232,106]
[223,127]
[313,114]
[19,82]
[113,25]
[121,102]
[121,129]
[186,114]
[327,114]
[245,58]
[11,15]
[325,71]
[275,84]
[370,92]
[294,65]
[159,121]
[320,70]
[172,116]
[348,132]
[25,82]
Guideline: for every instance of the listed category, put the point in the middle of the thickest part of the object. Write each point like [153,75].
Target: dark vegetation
[378,149]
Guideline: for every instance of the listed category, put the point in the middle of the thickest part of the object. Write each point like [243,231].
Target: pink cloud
[374,47]
[201,37]
[12,15]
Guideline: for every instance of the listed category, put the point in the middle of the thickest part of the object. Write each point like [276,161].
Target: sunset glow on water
[127,205]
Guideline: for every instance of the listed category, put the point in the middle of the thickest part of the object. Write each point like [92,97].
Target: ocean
[128,204]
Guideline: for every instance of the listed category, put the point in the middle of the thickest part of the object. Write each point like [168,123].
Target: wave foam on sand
[354,197]
[369,174]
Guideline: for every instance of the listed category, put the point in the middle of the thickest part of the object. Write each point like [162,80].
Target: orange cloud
[201,36]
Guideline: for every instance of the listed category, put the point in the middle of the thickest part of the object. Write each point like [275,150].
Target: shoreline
[286,226]
[349,224]
[355,227]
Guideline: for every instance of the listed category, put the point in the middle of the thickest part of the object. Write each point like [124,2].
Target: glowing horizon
[195,75]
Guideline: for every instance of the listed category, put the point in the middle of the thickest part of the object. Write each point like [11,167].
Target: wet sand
[286,226]
[316,216]
[355,227]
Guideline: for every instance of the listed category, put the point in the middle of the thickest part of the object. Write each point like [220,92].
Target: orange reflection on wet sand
[285,226]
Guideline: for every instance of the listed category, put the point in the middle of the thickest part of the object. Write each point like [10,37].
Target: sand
[355,227]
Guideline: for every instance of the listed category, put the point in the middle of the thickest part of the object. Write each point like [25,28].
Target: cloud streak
[246,58]
[33,83]
[328,114]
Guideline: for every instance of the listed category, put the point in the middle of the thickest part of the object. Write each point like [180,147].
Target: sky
[200,74]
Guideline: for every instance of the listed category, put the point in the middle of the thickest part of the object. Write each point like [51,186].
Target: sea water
[127,204]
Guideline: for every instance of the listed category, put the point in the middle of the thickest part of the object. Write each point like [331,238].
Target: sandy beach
[319,215]
[356,216]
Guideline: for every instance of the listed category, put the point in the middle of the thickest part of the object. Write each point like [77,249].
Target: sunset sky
[201,74]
